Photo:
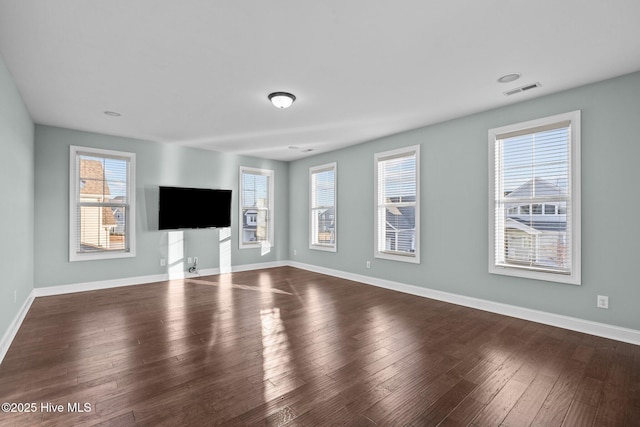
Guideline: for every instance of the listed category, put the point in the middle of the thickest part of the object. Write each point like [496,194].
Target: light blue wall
[453,191]
[157,164]
[454,207]
[16,200]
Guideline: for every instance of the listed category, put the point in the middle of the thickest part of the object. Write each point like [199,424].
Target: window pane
[255,190]
[323,188]
[398,179]
[536,164]
[323,227]
[255,225]
[102,229]
[400,224]
[103,179]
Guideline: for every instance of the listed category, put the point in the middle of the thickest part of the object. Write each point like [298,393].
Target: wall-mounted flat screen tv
[193,208]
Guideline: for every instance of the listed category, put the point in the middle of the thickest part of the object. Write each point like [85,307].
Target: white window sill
[410,258]
[514,271]
[73,257]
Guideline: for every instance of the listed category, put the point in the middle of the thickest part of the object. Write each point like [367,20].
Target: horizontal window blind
[323,212]
[533,227]
[397,203]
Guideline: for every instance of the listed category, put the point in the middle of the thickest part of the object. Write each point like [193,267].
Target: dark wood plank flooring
[288,347]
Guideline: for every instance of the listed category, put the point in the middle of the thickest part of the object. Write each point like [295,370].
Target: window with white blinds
[397,210]
[322,182]
[256,208]
[535,199]
[102,204]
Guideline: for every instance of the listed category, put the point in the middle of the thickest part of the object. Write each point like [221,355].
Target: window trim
[74,192]
[573,117]
[271,226]
[388,155]
[328,247]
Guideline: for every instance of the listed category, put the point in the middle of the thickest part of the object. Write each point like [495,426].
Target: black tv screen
[194,208]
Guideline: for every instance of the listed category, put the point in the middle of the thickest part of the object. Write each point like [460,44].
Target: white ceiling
[198,72]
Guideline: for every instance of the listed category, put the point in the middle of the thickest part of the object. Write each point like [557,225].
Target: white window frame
[574,202]
[378,238]
[270,174]
[330,247]
[74,194]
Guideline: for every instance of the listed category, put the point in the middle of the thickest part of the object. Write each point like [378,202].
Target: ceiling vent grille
[522,89]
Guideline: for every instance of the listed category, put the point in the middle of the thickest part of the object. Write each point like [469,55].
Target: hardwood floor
[288,347]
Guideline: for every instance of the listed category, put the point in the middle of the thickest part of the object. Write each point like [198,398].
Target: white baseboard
[115,283]
[617,333]
[94,286]
[12,330]
[631,336]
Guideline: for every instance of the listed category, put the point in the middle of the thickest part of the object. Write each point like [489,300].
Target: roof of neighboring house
[532,188]
[542,225]
[107,217]
[536,187]
[92,178]
[327,212]
[511,223]
[402,218]
[93,182]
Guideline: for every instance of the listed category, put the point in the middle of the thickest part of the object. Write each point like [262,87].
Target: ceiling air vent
[522,89]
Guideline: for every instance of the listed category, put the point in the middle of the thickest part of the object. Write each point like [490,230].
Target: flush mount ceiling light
[112,113]
[508,78]
[281,99]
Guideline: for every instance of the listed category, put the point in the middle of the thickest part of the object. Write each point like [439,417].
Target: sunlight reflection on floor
[275,348]
[261,288]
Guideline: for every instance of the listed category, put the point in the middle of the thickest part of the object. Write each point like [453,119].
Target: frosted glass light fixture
[281,99]
[508,78]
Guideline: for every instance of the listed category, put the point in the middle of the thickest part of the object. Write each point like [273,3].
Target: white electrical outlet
[603,301]
[189,260]
[368,264]
[163,262]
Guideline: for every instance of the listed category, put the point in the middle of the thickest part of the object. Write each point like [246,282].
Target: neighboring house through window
[322,183]
[256,207]
[397,210]
[535,199]
[102,204]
